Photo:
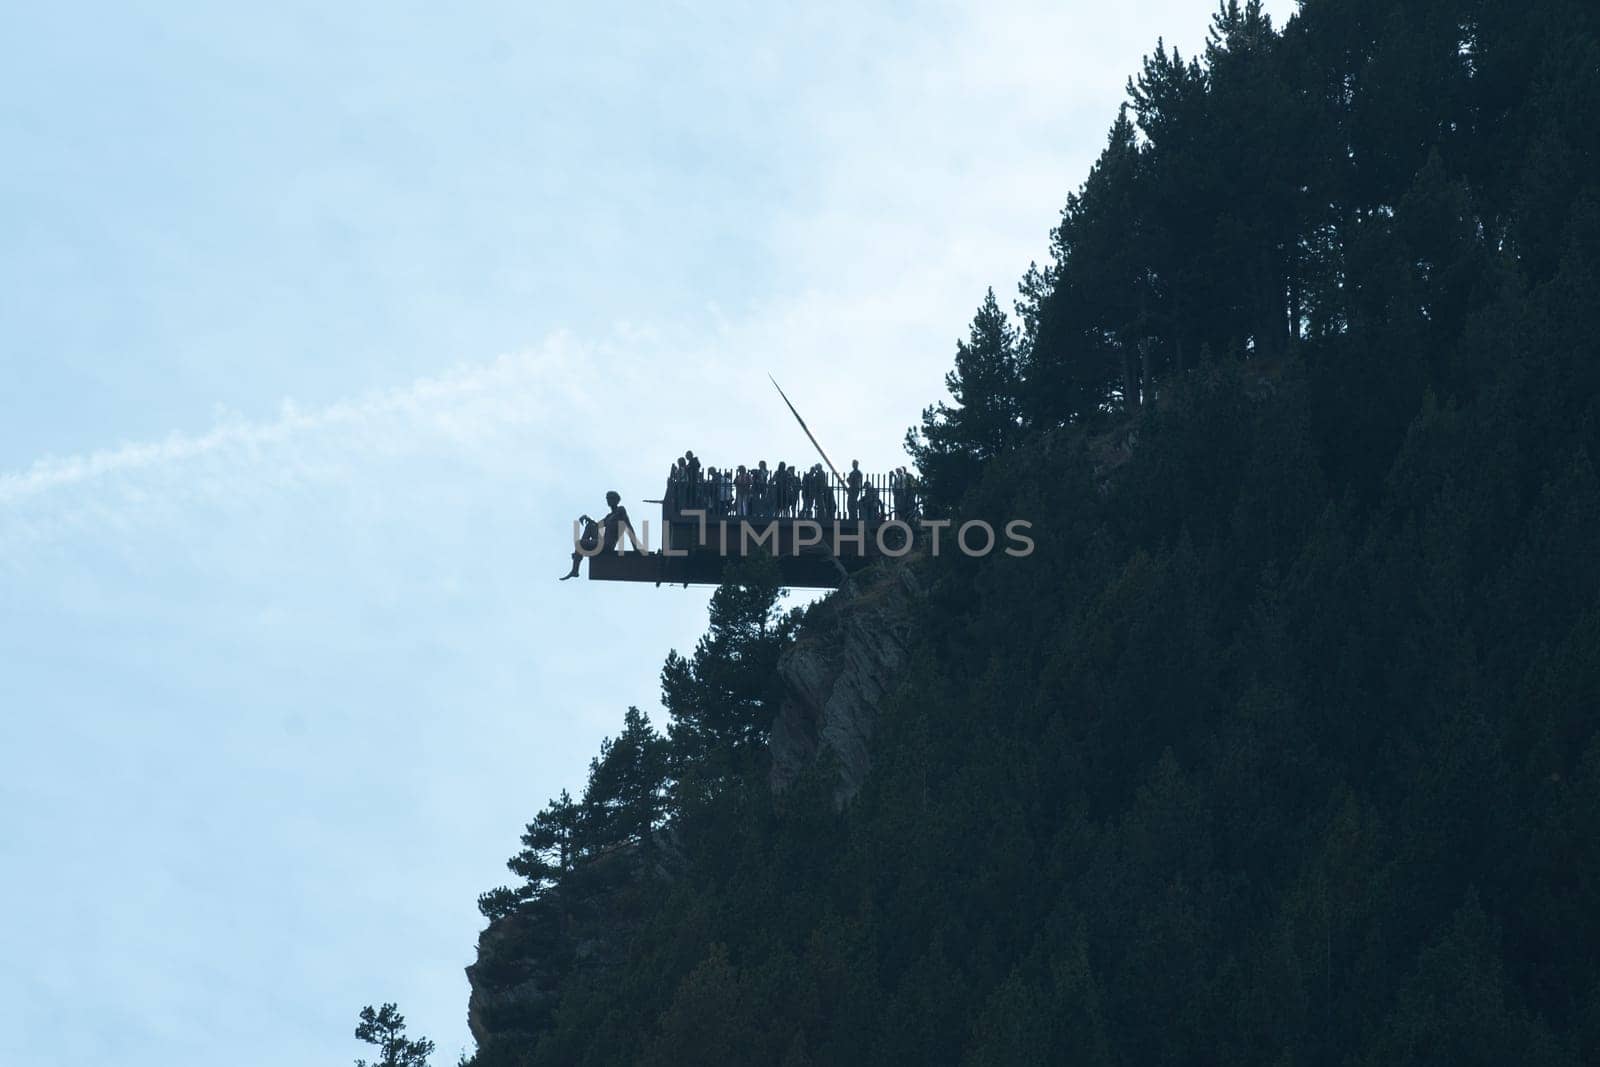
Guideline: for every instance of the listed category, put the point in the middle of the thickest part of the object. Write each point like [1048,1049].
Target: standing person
[872,504]
[808,493]
[780,488]
[760,481]
[691,471]
[791,492]
[741,482]
[827,497]
[669,499]
[725,491]
[853,491]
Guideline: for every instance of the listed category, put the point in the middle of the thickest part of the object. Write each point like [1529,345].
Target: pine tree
[1254,140]
[625,796]
[986,419]
[722,698]
[386,1028]
[1091,311]
[1170,101]
[550,844]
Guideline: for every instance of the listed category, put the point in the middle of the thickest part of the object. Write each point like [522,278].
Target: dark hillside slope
[1282,747]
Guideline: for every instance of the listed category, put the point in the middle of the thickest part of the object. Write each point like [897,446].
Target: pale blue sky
[317,325]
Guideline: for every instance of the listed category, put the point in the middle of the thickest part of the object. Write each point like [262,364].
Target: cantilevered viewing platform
[809,554]
[818,527]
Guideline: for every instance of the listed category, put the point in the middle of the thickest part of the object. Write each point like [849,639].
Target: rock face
[850,656]
[525,958]
[513,989]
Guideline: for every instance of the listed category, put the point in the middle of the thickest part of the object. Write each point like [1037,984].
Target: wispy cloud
[469,406]
[499,425]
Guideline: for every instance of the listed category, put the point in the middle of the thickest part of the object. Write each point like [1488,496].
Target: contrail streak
[464,403]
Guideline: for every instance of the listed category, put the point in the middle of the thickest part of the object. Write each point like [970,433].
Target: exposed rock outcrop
[526,957]
[514,989]
[850,656]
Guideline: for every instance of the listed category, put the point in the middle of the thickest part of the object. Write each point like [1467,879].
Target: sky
[318,325]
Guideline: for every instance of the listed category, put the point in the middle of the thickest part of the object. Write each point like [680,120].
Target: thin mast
[804,427]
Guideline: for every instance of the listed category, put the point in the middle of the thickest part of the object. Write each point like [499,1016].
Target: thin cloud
[469,406]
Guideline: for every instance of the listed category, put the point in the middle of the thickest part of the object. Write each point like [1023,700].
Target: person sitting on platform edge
[608,535]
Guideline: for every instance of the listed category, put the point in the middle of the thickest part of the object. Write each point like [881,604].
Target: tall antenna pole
[804,427]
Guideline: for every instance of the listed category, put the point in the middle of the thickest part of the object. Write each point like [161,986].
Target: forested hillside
[1281,748]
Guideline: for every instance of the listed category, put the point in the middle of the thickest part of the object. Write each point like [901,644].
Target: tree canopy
[1282,747]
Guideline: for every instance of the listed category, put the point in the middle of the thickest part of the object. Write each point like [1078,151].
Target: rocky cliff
[525,958]
[850,655]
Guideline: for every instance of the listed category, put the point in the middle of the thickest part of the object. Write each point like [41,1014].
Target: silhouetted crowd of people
[788,492]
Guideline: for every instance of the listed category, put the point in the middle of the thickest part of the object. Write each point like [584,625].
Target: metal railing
[787,493]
